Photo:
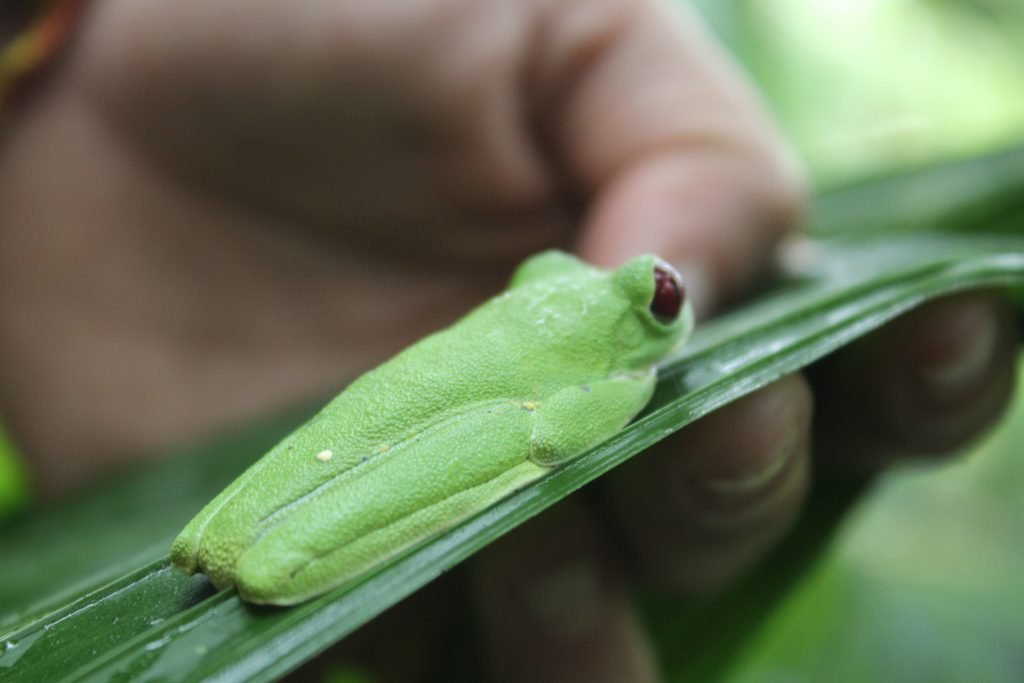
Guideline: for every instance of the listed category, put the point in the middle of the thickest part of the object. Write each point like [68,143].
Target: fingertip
[924,386]
[949,347]
[699,511]
[667,142]
[708,211]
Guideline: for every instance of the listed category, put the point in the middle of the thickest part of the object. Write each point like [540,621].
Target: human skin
[211,210]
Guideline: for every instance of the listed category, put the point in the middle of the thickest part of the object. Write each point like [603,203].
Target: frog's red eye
[669,293]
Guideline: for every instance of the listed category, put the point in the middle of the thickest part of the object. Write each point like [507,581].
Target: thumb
[668,144]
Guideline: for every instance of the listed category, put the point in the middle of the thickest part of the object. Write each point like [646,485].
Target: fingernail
[758,478]
[567,601]
[959,345]
[747,484]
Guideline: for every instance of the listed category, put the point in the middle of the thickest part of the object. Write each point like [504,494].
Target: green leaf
[86,593]
[958,195]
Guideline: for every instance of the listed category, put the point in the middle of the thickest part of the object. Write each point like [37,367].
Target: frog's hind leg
[428,484]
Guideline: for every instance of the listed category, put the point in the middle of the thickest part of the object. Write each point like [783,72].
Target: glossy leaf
[958,196]
[155,623]
[86,593]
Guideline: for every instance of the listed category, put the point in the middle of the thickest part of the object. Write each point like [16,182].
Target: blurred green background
[926,582]
[865,85]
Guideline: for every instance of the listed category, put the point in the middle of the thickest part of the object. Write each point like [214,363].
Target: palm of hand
[250,187]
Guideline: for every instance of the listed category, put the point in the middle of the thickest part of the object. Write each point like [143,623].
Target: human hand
[207,213]
[210,212]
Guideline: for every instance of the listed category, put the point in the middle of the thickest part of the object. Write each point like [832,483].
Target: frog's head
[657,317]
[637,313]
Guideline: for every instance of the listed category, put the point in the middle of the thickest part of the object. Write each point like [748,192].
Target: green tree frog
[560,361]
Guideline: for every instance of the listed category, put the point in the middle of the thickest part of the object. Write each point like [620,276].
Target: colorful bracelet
[37,30]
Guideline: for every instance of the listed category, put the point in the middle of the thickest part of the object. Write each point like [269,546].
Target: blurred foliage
[924,582]
[862,85]
[13,479]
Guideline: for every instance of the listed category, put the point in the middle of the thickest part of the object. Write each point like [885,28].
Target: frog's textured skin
[560,361]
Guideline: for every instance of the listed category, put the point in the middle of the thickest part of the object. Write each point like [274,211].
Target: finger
[666,141]
[924,385]
[553,606]
[697,511]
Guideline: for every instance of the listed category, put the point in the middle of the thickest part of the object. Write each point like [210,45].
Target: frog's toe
[194,551]
[185,552]
[268,578]
[217,559]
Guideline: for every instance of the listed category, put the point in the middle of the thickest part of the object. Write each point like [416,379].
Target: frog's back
[521,346]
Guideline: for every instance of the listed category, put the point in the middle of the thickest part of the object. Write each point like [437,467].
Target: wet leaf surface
[86,593]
